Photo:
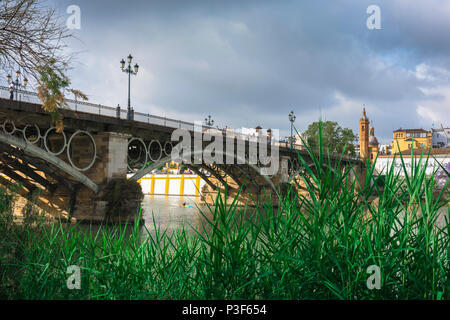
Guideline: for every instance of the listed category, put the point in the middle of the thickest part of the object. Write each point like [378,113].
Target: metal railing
[92,108]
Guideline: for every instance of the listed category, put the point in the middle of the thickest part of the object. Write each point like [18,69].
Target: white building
[441,138]
[435,162]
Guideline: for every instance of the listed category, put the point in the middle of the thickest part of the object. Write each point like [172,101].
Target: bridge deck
[112,119]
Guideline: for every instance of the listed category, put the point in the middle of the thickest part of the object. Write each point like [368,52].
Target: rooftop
[411,130]
[417,152]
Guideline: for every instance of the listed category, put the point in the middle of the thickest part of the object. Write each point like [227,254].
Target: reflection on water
[169,212]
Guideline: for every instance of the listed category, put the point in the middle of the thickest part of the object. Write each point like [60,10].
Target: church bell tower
[364,136]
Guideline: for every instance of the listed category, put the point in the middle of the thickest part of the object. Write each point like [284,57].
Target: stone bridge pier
[112,150]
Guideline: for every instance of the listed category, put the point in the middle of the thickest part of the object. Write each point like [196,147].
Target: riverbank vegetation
[319,244]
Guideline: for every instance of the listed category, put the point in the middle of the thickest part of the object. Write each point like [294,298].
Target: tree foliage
[53,82]
[335,138]
[32,39]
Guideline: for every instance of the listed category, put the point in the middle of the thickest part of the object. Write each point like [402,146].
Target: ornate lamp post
[292,118]
[209,122]
[17,83]
[130,72]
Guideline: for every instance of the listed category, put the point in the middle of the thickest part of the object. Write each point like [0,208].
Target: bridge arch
[141,173]
[37,152]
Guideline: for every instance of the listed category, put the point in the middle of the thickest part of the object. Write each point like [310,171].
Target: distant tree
[32,39]
[335,138]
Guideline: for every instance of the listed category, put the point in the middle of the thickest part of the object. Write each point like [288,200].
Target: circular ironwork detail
[170,145]
[46,146]
[24,132]
[4,127]
[95,150]
[150,148]
[145,149]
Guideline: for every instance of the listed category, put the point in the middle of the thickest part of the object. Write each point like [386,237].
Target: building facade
[410,140]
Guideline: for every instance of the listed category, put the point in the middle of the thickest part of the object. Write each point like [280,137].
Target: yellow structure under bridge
[172,185]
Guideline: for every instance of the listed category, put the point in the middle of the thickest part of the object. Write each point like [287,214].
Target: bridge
[67,171]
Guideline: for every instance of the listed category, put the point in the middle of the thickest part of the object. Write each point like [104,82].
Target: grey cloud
[253,61]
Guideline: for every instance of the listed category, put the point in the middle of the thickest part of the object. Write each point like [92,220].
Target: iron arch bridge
[68,155]
[99,144]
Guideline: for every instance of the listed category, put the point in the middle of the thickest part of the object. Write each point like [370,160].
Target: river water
[169,213]
[172,212]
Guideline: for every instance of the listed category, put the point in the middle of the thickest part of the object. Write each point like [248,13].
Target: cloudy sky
[248,63]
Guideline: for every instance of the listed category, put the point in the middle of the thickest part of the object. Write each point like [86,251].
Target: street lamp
[292,118]
[17,84]
[209,121]
[130,72]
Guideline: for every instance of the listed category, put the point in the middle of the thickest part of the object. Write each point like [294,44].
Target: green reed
[317,244]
